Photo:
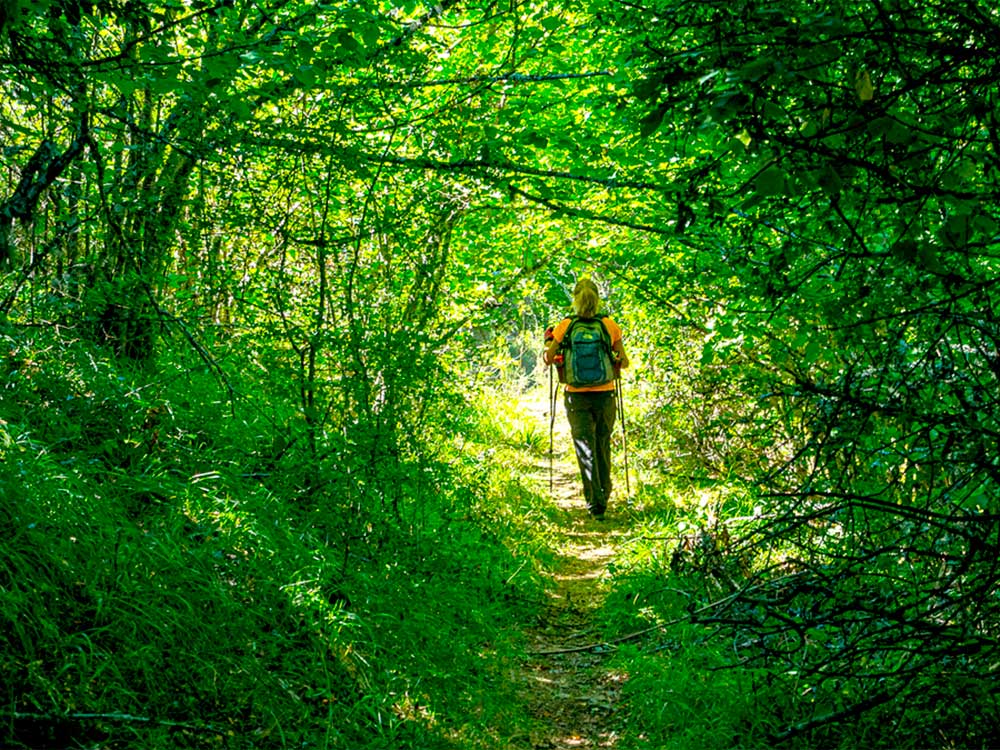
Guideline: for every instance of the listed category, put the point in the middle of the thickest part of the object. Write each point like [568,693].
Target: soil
[569,688]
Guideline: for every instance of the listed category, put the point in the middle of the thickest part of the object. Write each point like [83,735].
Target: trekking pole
[552,410]
[621,410]
[552,426]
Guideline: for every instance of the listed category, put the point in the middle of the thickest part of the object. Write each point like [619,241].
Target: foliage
[172,593]
[835,210]
[254,254]
[675,582]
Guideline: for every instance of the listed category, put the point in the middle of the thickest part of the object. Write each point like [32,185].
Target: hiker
[589,359]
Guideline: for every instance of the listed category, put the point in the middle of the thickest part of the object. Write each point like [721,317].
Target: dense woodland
[274,275]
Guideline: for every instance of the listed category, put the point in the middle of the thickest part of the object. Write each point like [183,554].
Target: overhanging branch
[580,213]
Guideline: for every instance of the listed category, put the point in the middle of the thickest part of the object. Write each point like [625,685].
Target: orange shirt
[559,332]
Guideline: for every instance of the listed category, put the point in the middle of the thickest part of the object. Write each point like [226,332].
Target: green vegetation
[161,561]
[272,282]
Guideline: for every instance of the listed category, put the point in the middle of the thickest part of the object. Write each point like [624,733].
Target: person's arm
[553,337]
[617,346]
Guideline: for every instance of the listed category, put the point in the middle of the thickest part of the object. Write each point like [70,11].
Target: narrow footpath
[569,690]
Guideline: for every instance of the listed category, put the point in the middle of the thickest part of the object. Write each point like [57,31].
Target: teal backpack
[588,357]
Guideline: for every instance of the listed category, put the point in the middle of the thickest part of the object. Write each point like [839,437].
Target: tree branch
[855,709]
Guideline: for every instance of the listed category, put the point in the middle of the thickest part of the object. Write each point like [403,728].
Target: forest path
[571,694]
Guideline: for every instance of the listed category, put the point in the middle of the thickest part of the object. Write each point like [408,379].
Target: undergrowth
[169,577]
[681,692]
[689,685]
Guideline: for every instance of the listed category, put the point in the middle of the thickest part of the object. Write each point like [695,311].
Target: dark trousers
[591,419]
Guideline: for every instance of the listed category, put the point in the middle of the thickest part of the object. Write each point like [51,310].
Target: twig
[505,77]
[639,633]
[121,718]
[595,646]
[855,709]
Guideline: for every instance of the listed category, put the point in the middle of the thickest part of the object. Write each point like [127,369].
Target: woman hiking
[587,348]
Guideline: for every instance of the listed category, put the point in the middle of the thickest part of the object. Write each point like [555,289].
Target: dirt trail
[572,693]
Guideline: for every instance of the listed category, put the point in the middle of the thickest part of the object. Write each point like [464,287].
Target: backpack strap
[564,341]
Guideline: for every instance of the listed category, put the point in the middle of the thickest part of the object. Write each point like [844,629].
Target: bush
[172,582]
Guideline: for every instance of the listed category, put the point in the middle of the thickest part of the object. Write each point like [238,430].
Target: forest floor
[569,690]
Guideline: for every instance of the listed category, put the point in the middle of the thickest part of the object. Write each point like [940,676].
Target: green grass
[682,691]
[173,593]
[177,573]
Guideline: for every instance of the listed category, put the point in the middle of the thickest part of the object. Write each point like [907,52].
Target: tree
[839,203]
[350,189]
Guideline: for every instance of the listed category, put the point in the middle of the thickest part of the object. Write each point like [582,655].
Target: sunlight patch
[595,553]
[589,575]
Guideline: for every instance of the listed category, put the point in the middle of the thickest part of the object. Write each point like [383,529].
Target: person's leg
[581,422]
[605,412]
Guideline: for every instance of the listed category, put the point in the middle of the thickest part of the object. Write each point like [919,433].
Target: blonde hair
[586,299]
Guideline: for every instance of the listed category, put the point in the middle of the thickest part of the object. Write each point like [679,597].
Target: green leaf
[774,111]
[305,75]
[347,43]
[828,179]
[707,353]
[651,122]
[756,70]
[164,84]
[240,109]
[985,225]
[771,182]
[813,349]
[534,139]
[647,89]
[928,258]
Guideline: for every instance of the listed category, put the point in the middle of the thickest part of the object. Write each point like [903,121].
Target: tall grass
[683,688]
[164,583]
